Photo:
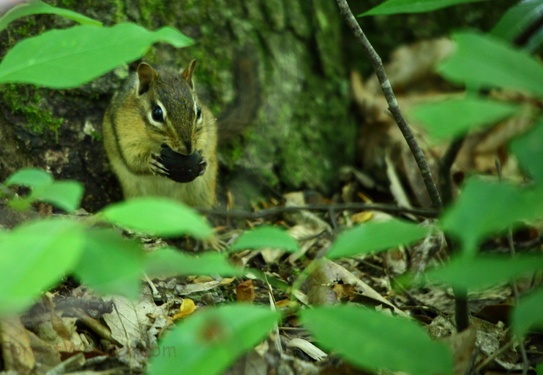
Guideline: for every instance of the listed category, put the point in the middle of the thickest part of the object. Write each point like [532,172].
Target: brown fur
[131,137]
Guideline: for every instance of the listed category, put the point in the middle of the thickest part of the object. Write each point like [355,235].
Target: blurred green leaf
[375,236]
[110,264]
[209,341]
[70,57]
[34,257]
[484,271]
[451,118]
[535,41]
[518,19]
[37,7]
[486,207]
[529,313]
[412,6]
[485,61]
[157,216]
[62,194]
[30,177]
[266,237]
[170,262]
[373,340]
[529,150]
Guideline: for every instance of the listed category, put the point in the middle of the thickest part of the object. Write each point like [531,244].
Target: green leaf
[34,257]
[529,150]
[110,264]
[485,61]
[412,6]
[484,271]
[375,236]
[451,118]
[170,262]
[518,19]
[30,177]
[266,237]
[529,313]
[157,216]
[70,57]
[209,341]
[486,207]
[373,340]
[535,41]
[62,194]
[37,7]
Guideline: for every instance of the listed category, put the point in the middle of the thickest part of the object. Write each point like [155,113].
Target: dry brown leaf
[308,348]
[322,282]
[245,291]
[462,345]
[16,351]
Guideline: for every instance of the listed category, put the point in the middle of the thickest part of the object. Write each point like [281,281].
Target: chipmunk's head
[169,106]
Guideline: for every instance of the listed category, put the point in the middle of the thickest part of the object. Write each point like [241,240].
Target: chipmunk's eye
[157,114]
[198,112]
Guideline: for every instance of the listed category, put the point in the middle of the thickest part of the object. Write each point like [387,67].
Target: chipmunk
[160,140]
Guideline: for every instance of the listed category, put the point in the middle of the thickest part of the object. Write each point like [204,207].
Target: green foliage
[517,20]
[110,264]
[412,6]
[266,237]
[208,342]
[475,113]
[169,262]
[81,53]
[501,204]
[476,64]
[158,217]
[529,149]
[34,257]
[527,315]
[484,271]
[63,194]
[375,236]
[374,340]
[37,7]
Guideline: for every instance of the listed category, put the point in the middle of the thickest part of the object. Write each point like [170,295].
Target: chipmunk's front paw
[156,166]
[179,167]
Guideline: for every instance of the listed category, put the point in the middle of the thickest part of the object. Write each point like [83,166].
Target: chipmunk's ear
[187,73]
[146,75]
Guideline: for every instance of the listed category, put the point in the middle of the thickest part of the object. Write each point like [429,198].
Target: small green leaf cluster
[71,57]
[36,255]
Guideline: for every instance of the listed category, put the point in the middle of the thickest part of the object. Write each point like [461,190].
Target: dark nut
[182,168]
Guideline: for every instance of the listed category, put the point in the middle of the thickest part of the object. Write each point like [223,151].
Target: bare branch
[392,103]
[426,213]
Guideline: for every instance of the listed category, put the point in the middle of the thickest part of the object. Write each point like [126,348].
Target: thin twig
[445,165]
[392,103]
[239,214]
